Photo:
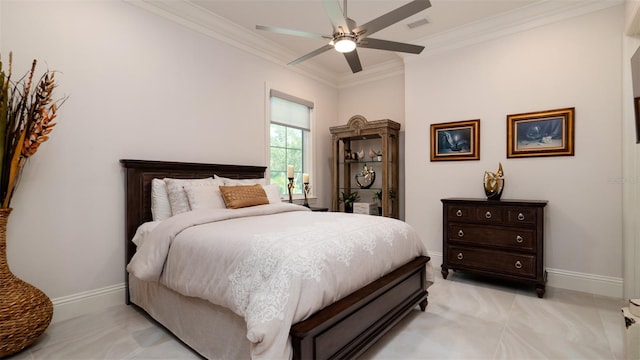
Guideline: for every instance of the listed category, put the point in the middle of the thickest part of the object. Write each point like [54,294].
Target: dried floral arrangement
[26,120]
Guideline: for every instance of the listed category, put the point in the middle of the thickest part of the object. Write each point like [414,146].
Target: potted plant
[349,200]
[27,111]
[377,197]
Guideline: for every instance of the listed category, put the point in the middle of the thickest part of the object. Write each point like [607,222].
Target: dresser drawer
[474,214]
[520,216]
[488,214]
[507,238]
[460,213]
[494,261]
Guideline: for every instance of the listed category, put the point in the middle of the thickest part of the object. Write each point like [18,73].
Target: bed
[344,328]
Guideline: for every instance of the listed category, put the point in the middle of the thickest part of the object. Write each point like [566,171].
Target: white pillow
[234,182]
[160,207]
[273,193]
[178,197]
[204,197]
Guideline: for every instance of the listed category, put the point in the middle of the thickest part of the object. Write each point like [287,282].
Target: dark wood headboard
[140,173]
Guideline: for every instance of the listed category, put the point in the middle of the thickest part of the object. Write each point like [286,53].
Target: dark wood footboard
[348,327]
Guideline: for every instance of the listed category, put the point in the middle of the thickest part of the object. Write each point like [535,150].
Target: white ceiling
[309,15]
[451,24]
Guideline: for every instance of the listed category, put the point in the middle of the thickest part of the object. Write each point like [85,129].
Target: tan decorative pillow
[240,196]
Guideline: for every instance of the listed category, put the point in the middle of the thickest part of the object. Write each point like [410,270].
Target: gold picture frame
[458,140]
[542,133]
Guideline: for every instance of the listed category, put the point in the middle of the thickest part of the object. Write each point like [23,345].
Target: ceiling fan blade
[354,61]
[390,45]
[311,54]
[336,16]
[391,18]
[292,32]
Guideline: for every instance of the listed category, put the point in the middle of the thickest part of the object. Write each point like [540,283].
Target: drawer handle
[460,233]
[459,213]
[520,216]
[518,265]
[488,215]
[519,239]
[460,257]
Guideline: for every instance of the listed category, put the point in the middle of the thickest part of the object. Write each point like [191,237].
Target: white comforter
[274,264]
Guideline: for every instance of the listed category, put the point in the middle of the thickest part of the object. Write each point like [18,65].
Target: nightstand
[320,209]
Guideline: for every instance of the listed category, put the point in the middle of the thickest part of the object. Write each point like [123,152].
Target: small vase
[25,311]
[348,208]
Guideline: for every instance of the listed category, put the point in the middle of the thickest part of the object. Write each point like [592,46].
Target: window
[290,140]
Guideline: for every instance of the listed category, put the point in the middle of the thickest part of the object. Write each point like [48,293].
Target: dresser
[498,238]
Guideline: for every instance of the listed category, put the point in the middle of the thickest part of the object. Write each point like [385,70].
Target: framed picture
[544,133]
[458,140]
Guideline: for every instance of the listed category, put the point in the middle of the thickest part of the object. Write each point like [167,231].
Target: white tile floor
[467,318]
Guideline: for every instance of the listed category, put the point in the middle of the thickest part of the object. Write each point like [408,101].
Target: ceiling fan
[347,35]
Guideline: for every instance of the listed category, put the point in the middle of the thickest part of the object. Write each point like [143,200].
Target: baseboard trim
[589,283]
[571,280]
[67,307]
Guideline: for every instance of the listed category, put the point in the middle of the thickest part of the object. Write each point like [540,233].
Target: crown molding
[541,13]
[215,26]
[196,18]
[511,22]
[633,18]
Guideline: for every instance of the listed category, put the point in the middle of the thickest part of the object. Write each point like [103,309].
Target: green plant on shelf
[377,197]
[349,200]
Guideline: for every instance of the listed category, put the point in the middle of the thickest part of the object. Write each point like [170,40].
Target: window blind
[290,111]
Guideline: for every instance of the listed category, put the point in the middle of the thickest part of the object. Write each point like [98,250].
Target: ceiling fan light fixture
[347,35]
[344,44]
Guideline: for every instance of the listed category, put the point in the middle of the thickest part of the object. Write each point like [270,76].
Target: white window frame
[309,151]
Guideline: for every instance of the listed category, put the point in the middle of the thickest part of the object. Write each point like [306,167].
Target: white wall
[375,100]
[571,63]
[140,87]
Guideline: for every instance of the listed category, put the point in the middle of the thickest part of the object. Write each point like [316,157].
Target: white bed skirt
[213,331]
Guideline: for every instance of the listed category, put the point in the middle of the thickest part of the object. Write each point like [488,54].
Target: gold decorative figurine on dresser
[503,239]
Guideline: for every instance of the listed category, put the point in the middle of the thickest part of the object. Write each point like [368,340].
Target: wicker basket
[25,311]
